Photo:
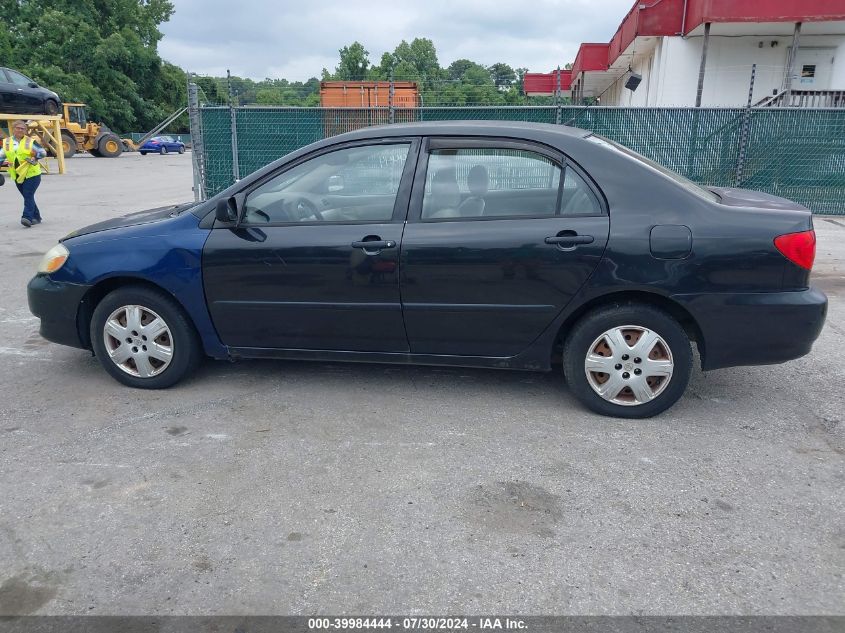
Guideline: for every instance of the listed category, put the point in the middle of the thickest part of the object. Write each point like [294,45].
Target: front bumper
[57,304]
[760,328]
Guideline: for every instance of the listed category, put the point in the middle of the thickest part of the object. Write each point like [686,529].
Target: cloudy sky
[296,40]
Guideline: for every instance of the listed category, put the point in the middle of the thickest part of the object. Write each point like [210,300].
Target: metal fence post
[557,97]
[391,113]
[233,122]
[746,124]
[197,145]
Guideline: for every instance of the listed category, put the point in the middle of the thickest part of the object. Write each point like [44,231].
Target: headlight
[53,259]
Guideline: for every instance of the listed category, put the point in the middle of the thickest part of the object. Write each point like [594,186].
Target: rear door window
[486,182]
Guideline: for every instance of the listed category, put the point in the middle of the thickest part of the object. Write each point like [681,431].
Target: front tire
[628,361]
[110,146]
[51,108]
[143,338]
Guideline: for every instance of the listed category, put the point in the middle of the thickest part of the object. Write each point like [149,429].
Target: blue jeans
[27,189]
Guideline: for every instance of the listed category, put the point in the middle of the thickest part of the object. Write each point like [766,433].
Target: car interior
[348,185]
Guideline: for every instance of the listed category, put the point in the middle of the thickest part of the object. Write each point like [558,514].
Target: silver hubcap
[138,341]
[629,365]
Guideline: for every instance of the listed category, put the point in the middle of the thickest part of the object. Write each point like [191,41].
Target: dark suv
[21,95]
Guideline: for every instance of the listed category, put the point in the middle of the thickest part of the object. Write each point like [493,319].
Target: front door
[314,264]
[505,235]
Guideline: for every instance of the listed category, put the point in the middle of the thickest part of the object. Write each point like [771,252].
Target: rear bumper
[57,304]
[756,328]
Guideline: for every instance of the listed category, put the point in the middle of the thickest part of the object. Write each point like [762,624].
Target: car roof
[470,128]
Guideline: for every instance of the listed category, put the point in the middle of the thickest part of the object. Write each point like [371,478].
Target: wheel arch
[668,305]
[103,287]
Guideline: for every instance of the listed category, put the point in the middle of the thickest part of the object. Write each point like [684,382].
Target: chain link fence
[790,152]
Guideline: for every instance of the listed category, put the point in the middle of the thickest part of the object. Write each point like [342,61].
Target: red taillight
[799,248]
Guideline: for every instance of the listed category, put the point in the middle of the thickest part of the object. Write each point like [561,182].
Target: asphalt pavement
[269,487]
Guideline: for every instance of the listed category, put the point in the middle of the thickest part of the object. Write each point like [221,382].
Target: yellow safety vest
[19,168]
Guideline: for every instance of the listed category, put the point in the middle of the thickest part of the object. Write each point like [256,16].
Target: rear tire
[644,352]
[143,338]
[163,150]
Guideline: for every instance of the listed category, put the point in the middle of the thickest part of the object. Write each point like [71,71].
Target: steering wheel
[305,207]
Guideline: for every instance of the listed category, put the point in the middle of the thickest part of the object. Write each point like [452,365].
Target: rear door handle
[372,247]
[570,240]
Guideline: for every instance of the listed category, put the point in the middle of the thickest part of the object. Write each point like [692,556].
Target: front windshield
[686,183]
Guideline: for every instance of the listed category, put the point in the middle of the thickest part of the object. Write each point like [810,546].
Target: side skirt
[525,362]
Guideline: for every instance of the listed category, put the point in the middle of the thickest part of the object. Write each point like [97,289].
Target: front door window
[354,184]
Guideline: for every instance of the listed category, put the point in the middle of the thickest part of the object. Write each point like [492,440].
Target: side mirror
[32,84]
[226,210]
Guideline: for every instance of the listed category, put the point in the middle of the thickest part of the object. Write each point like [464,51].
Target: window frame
[400,204]
[11,75]
[560,159]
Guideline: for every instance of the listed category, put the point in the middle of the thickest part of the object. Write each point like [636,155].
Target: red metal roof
[546,83]
[701,11]
[590,57]
[665,17]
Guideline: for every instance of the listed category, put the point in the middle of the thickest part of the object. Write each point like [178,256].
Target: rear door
[501,235]
[315,263]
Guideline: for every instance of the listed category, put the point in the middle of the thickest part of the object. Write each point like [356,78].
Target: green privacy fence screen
[790,152]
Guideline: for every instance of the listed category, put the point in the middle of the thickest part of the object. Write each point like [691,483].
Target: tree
[102,52]
[419,58]
[502,74]
[354,63]
[457,68]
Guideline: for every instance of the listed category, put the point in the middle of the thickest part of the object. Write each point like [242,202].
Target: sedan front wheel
[143,339]
[630,361]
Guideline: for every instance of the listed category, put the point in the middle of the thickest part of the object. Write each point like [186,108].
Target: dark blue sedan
[487,244]
[162,145]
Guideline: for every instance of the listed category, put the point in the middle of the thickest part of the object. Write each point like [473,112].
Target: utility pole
[746,125]
[790,65]
[703,64]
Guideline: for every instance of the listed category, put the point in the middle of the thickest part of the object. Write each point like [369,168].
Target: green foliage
[104,53]
[101,52]
[354,63]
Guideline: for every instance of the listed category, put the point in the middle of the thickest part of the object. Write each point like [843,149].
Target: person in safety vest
[22,153]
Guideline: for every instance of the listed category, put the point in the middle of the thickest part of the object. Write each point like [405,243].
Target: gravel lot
[297,488]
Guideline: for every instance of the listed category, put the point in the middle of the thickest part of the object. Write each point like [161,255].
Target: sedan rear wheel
[631,361]
[163,150]
[143,339]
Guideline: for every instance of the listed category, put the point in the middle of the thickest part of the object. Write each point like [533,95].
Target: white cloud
[295,40]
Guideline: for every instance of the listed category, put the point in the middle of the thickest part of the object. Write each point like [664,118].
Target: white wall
[673,78]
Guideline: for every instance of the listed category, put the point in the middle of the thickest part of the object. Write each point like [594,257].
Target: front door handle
[566,241]
[373,246]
